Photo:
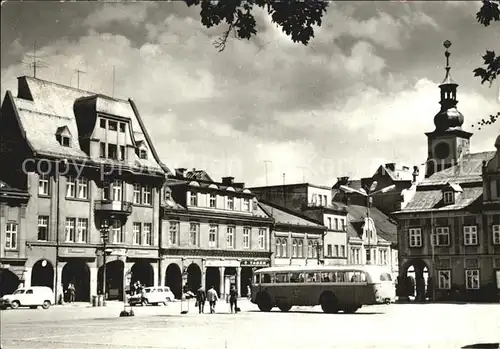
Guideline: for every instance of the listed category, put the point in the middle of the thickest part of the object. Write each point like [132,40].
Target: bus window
[326,277]
[357,276]
[385,277]
[302,277]
[256,279]
[266,278]
[341,276]
[312,277]
[281,277]
[295,277]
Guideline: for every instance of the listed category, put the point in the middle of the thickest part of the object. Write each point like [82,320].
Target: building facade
[449,232]
[295,239]
[315,202]
[89,166]
[212,233]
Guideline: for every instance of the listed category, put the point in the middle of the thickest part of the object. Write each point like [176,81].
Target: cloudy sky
[361,94]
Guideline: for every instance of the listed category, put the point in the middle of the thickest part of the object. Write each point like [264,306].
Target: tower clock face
[442,150]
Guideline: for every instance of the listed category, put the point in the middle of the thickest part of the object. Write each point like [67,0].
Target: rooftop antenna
[113,93]
[35,62]
[78,71]
[265,164]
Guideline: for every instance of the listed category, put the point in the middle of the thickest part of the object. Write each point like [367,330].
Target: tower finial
[447,45]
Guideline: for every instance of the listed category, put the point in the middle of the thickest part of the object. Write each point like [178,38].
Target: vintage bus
[336,288]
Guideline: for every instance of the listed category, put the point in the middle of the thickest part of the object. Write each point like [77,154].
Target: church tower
[448,142]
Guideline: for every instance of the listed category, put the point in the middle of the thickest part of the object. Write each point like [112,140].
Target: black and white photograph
[242,174]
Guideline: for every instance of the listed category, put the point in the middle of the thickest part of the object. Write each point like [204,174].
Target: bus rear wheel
[329,303]
[350,309]
[264,302]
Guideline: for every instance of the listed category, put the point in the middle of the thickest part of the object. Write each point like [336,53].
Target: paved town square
[384,326]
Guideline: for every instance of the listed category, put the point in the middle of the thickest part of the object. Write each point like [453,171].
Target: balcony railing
[119,207]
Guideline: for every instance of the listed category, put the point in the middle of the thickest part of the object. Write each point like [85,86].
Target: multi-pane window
[246,237]
[112,125]
[355,259]
[194,228]
[336,220]
[102,123]
[83,188]
[284,248]
[213,200]
[143,154]
[70,230]
[11,236]
[112,191]
[336,253]
[102,150]
[383,257]
[43,185]
[329,250]
[147,233]
[146,195]
[43,228]
[470,235]
[300,249]
[230,203]
[279,249]
[310,249]
[441,236]
[82,230]
[112,151]
[76,188]
[444,279]
[117,233]
[122,127]
[246,205]
[415,236]
[294,249]
[137,231]
[472,279]
[173,232]
[230,237]
[262,238]
[329,223]
[137,193]
[193,198]
[496,234]
[342,251]
[213,235]
[70,187]
[448,197]
[122,152]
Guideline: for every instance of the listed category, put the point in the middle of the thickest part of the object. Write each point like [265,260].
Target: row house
[450,229]
[314,202]
[212,233]
[94,181]
[296,239]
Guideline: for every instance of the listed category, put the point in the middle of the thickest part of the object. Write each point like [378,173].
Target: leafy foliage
[295,17]
[488,12]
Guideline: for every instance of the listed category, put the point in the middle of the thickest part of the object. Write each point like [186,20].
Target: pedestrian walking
[201,298]
[72,292]
[233,299]
[212,298]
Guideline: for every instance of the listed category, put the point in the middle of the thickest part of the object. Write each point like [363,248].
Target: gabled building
[295,239]
[448,235]
[212,233]
[89,166]
[314,202]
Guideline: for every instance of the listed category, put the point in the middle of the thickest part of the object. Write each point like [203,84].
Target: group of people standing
[212,298]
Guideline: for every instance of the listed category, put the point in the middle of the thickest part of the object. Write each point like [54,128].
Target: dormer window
[63,136]
[448,197]
[112,125]
[143,154]
[141,150]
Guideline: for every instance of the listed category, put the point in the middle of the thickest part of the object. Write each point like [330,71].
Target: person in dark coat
[201,297]
[233,299]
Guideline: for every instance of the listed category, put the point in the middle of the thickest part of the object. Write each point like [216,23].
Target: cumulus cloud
[352,99]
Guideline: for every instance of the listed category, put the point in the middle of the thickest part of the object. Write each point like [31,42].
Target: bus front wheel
[284,306]
[264,302]
[350,309]
[329,303]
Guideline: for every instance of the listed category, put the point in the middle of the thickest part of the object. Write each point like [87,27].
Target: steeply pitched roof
[47,106]
[386,228]
[283,215]
[200,175]
[432,199]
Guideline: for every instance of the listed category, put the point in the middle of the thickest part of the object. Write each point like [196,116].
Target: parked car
[152,295]
[28,297]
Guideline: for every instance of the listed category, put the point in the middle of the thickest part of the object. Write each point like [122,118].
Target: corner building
[212,233]
[85,160]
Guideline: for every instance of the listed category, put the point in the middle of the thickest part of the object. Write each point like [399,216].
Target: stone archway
[173,279]
[142,271]
[78,273]
[413,279]
[42,274]
[114,280]
[193,277]
[212,278]
[8,282]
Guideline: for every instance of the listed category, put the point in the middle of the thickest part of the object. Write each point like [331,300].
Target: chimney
[391,166]
[415,173]
[343,180]
[229,181]
[239,185]
[180,172]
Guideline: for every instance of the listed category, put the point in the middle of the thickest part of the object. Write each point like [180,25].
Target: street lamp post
[368,193]
[104,237]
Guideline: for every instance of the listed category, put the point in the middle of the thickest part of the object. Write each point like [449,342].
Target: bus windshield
[385,277]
